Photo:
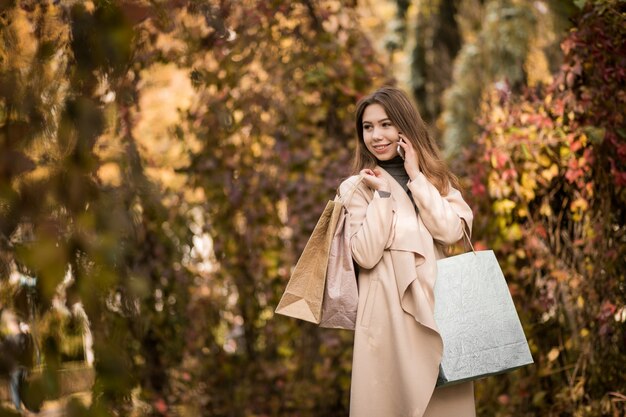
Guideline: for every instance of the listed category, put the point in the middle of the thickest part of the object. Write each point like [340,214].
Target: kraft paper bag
[481,331]
[341,295]
[322,288]
[304,293]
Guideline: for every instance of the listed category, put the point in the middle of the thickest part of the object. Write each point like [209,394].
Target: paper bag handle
[466,236]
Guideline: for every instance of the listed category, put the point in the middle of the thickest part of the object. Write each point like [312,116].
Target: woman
[402,215]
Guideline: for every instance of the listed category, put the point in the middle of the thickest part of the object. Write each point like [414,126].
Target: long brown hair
[407,120]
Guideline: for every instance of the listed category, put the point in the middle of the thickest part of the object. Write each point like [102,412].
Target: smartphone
[401,149]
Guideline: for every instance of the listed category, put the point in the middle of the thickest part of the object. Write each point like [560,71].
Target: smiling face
[379,134]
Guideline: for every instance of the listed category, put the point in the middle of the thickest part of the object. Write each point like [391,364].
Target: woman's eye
[386,124]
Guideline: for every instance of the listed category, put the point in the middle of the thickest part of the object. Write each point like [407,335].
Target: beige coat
[397,348]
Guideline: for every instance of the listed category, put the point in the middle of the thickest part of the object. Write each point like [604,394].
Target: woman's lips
[381,148]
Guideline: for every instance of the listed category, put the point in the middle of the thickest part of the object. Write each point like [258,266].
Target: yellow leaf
[503,206]
[544,160]
[528,186]
[497,187]
[579,207]
[550,173]
[560,275]
[584,332]
[553,354]
[548,99]
[256,149]
[498,115]
[545,209]
[514,232]
[286,42]
[110,174]
[569,343]
[331,24]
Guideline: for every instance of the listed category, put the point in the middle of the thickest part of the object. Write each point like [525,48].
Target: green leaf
[596,134]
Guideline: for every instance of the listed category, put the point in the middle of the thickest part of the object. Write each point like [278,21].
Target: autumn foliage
[547,179]
[162,164]
[177,241]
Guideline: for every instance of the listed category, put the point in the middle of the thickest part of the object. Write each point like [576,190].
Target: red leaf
[573,174]
[576,145]
[620,178]
[161,406]
[541,231]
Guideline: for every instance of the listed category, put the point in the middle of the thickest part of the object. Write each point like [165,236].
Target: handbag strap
[467,238]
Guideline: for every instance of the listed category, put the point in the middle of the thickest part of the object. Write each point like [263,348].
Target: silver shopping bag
[477,320]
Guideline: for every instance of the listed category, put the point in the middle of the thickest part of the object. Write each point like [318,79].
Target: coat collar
[408,235]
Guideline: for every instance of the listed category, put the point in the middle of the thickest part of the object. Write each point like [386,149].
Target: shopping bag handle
[466,236]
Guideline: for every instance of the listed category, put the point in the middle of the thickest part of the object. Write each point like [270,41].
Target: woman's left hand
[411,159]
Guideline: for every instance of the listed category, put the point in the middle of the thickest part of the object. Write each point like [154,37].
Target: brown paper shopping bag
[304,294]
[324,274]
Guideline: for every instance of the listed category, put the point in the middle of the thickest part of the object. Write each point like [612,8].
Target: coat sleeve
[370,221]
[444,216]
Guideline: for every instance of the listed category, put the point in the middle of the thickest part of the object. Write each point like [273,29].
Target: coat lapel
[416,294]
[406,226]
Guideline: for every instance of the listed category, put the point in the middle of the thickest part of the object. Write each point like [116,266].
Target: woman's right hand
[374,179]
